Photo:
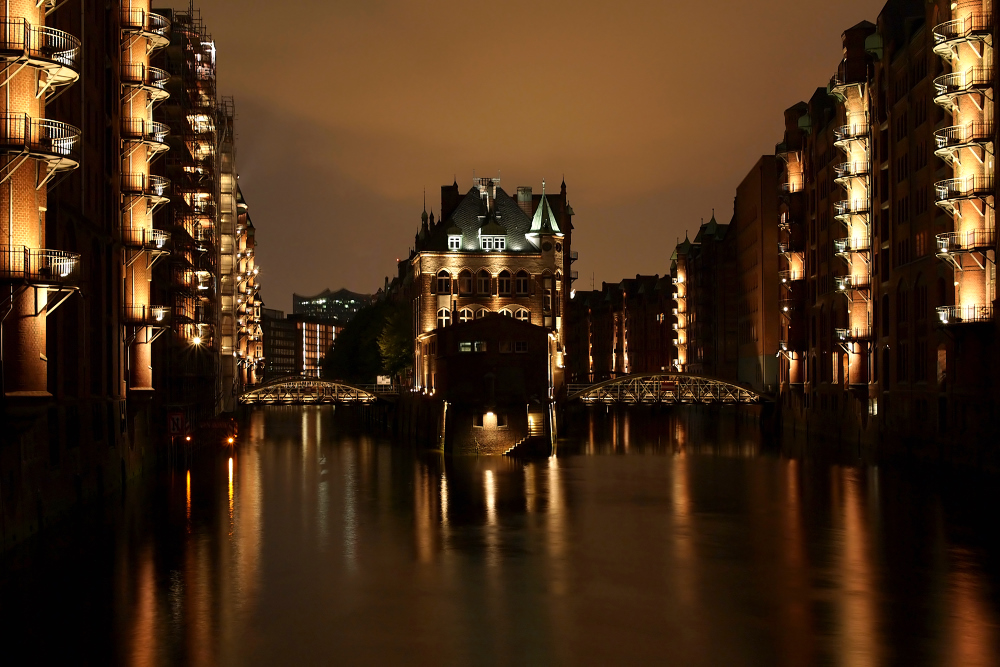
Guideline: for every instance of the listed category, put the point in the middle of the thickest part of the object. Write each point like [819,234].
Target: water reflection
[650,538]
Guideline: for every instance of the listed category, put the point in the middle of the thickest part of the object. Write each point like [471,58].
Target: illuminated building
[341,305]
[491,253]
[250,342]
[280,342]
[313,339]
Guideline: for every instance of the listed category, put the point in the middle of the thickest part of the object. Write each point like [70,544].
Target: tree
[396,340]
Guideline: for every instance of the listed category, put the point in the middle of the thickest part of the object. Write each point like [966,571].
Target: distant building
[341,305]
[280,337]
[314,337]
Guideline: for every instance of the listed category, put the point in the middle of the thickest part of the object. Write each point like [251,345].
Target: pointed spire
[423,216]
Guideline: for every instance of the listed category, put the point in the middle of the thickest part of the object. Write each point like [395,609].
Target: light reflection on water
[648,539]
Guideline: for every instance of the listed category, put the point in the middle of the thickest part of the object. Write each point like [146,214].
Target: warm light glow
[188,438]
[230,460]
[196,340]
[489,414]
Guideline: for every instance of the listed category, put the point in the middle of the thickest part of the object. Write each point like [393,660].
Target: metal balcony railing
[853,334]
[574,275]
[790,187]
[153,79]
[152,26]
[790,276]
[970,187]
[949,86]
[574,255]
[852,282]
[40,137]
[45,48]
[852,244]
[146,131]
[142,237]
[147,314]
[39,266]
[846,208]
[970,27]
[957,136]
[146,185]
[850,132]
[846,170]
[965,314]
[967,241]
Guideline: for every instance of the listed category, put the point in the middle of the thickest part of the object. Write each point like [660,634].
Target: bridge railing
[662,388]
[304,390]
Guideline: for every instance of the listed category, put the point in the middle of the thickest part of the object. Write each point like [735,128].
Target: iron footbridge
[667,388]
[306,390]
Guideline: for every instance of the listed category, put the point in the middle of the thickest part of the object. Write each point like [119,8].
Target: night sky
[654,111]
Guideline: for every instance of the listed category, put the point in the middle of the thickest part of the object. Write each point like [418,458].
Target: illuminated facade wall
[313,340]
[250,341]
[230,282]
[143,139]
[39,61]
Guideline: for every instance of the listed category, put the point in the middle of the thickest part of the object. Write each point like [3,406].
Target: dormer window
[454,242]
[493,242]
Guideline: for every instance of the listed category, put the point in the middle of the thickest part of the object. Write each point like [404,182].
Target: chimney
[524,199]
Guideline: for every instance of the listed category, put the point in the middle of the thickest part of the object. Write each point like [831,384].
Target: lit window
[521,283]
[493,242]
[479,346]
[503,283]
[465,282]
[444,317]
[454,242]
[481,313]
[444,282]
[523,315]
[506,313]
[465,346]
[464,315]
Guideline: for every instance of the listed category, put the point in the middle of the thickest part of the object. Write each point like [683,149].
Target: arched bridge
[305,390]
[663,388]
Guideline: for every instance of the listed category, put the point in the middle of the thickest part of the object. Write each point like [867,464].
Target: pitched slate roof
[466,217]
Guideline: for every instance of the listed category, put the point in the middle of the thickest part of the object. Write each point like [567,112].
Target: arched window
[521,283]
[465,282]
[464,315]
[483,282]
[503,283]
[523,315]
[443,282]
[481,313]
[506,313]
[444,317]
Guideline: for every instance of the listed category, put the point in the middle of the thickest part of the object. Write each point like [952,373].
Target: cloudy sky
[348,110]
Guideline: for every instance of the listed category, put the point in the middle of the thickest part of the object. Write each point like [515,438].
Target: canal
[666,538]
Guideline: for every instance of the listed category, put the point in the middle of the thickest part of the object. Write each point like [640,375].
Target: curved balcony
[790,187]
[948,193]
[950,34]
[968,241]
[56,143]
[148,132]
[790,276]
[154,188]
[843,210]
[846,246]
[949,87]
[845,171]
[851,282]
[145,238]
[846,134]
[949,140]
[851,335]
[971,314]
[151,315]
[39,266]
[55,52]
[152,80]
[153,27]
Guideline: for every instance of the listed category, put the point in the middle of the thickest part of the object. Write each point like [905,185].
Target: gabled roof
[465,220]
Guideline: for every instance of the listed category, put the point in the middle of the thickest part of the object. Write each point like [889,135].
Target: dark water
[648,540]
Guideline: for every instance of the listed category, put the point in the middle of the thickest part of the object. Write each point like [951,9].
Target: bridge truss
[662,388]
[304,390]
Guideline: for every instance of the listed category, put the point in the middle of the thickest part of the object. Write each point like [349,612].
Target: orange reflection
[972,636]
[144,637]
[189,501]
[858,614]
